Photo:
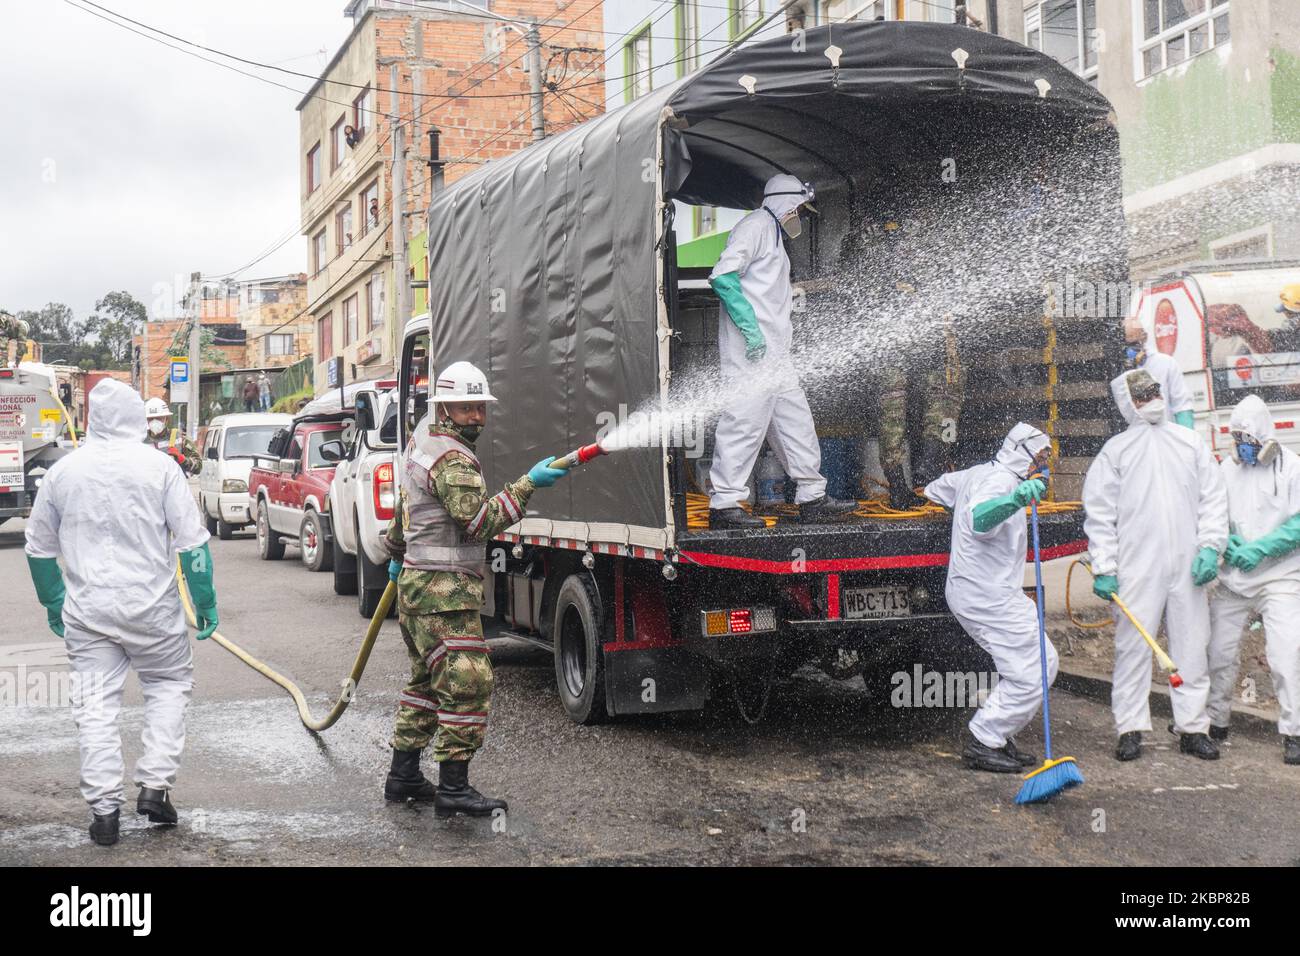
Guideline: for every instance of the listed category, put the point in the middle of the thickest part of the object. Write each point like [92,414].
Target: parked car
[363,496]
[229,446]
[288,488]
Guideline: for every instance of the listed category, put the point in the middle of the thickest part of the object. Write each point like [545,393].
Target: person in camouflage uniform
[171,441]
[437,547]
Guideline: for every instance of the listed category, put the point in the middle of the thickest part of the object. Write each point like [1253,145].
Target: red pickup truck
[289,488]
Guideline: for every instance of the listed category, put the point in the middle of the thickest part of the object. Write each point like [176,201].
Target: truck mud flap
[654,680]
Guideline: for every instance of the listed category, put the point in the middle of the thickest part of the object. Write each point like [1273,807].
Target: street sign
[180,371]
[334,372]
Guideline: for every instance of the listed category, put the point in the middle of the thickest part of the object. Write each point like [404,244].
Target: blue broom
[1054,775]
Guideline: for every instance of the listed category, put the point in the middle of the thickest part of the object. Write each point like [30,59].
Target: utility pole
[401,282]
[535,77]
[196,355]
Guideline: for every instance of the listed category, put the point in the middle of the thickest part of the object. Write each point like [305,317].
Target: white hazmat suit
[1154,497]
[985,589]
[769,402]
[117,511]
[1261,498]
[1164,369]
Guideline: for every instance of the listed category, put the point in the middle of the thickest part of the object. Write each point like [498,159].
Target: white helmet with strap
[156,408]
[462,382]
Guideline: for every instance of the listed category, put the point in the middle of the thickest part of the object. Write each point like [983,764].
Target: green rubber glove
[196,565]
[1281,541]
[1205,568]
[990,514]
[742,313]
[1105,586]
[49,589]
[1186,419]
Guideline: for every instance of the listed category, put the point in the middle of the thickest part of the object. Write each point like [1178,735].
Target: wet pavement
[835,774]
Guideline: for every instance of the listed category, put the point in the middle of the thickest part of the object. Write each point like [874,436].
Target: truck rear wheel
[315,552]
[210,521]
[579,650]
[225,531]
[345,571]
[269,545]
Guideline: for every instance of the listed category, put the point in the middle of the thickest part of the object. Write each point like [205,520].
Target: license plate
[875,603]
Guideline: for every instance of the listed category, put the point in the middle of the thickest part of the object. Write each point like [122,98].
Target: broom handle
[1042,630]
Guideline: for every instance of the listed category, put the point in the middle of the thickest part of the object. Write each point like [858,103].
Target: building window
[313,169]
[343,228]
[637,65]
[325,337]
[361,108]
[349,320]
[318,252]
[931,11]
[841,11]
[279,343]
[1065,30]
[745,16]
[375,302]
[337,143]
[369,208]
[1177,30]
[687,31]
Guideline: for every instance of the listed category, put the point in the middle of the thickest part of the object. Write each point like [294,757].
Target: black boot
[825,508]
[455,795]
[901,495]
[157,806]
[931,463]
[979,757]
[1129,746]
[1291,750]
[103,827]
[1198,745]
[1019,756]
[1218,733]
[729,518]
[405,781]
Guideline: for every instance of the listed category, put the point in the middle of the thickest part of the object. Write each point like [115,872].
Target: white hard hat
[156,408]
[462,382]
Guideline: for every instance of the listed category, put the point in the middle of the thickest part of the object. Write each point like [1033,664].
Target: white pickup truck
[363,496]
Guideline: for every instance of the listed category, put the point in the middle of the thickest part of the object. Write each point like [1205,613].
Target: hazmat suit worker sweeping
[752,278]
[1262,570]
[171,441]
[119,514]
[437,545]
[985,589]
[1156,521]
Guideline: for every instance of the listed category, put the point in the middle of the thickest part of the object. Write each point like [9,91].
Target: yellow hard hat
[1290,298]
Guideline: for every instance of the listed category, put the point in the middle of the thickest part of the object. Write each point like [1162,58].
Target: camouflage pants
[449,695]
[941,400]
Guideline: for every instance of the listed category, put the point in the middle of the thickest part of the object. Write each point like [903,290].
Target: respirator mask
[157,426]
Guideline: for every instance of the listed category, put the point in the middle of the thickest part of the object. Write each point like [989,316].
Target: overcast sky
[125,164]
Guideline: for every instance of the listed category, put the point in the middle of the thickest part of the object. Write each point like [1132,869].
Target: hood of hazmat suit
[117,511]
[1261,498]
[1020,447]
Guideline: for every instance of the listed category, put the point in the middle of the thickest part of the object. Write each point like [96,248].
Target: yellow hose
[315,725]
[72,427]
[1165,660]
[1070,610]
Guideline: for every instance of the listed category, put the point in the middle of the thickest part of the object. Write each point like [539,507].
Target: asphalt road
[834,775]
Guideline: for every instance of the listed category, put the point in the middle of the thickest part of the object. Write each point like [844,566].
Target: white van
[228,449]
[1232,336]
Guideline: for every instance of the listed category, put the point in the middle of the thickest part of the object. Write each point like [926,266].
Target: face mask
[1247,453]
[792,225]
[470,432]
[1153,412]
[1134,356]
[157,426]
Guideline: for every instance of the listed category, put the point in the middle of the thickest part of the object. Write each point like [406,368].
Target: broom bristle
[1049,780]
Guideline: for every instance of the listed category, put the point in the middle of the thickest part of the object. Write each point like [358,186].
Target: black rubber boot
[104,827]
[455,795]
[733,518]
[1129,746]
[931,463]
[1198,745]
[901,495]
[825,508]
[1019,756]
[157,806]
[1291,750]
[405,781]
[1218,733]
[979,757]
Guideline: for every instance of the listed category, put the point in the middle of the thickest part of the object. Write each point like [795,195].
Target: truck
[31,431]
[288,487]
[363,496]
[557,271]
[1228,326]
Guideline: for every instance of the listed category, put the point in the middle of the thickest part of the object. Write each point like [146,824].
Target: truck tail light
[738,620]
[385,498]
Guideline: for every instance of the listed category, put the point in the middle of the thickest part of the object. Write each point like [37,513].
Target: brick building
[347,141]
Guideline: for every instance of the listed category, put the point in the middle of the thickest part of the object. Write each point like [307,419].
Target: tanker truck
[32,427]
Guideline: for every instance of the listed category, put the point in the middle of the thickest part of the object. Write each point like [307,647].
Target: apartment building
[439,48]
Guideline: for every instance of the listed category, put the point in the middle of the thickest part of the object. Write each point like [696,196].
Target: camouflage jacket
[182,450]
[457,483]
